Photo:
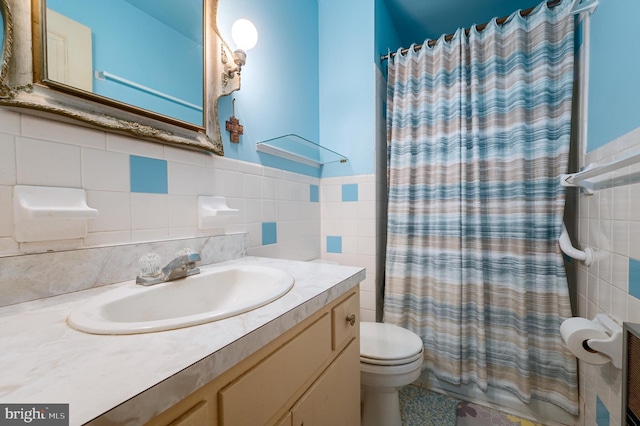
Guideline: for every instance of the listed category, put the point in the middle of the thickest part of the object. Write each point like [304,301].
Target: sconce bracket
[229,72]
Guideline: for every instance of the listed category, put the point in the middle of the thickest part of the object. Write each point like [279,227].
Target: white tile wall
[10,122]
[46,163]
[104,170]
[183,211]
[130,145]
[7,160]
[183,179]
[609,223]
[149,211]
[177,155]
[114,211]
[38,151]
[36,128]
[355,222]
[6,211]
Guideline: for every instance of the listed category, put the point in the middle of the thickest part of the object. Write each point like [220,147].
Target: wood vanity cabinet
[309,375]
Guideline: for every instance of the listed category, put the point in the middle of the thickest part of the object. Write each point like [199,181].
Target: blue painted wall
[279,93]
[614,86]
[311,74]
[430,19]
[387,36]
[176,61]
[320,83]
[347,84]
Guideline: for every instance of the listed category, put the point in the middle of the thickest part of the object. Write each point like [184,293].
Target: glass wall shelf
[295,148]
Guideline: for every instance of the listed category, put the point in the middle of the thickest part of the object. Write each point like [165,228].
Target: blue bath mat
[419,407]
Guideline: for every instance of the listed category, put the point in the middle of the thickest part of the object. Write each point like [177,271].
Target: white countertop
[131,378]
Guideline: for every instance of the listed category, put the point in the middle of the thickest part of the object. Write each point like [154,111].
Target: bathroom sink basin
[213,294]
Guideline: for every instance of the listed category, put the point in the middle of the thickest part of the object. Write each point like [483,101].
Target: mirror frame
[21,87]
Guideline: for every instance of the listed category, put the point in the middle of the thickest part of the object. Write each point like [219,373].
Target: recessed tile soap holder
[43,213]
[213,212]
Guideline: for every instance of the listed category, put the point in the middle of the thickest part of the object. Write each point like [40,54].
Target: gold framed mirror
[29,82]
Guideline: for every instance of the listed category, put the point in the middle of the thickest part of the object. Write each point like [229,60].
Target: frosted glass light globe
[244,34]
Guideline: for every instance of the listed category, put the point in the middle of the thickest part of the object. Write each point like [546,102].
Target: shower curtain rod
[448,37]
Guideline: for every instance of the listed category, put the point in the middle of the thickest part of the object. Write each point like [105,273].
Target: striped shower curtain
[478,131]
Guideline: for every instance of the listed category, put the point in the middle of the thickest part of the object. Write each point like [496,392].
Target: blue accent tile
[634,277]
[148,175]
[334,244]
[602,414]
[269,233]
[350,192]
[314,193]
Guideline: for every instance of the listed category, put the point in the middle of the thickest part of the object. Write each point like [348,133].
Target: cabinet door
[285,421]
[334,399]
[261,393]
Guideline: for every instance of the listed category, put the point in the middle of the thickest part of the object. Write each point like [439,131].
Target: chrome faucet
[180,267]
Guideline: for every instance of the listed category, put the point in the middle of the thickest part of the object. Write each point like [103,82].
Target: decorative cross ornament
[233,125]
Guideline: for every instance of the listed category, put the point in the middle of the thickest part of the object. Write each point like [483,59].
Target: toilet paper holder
[611,347]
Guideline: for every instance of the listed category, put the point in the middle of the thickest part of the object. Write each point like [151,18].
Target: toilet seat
[391,362]
[387,344]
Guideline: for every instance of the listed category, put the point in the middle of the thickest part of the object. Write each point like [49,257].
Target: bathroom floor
[421,407]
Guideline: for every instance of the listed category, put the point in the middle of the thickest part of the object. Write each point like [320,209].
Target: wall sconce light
[245,36]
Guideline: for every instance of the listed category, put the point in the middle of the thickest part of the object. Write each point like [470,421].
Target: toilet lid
[381,343]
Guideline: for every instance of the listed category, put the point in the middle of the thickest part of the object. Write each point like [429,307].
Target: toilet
[390,357]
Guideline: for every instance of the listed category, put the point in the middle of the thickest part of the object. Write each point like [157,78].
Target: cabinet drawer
[346,321]
[255,397]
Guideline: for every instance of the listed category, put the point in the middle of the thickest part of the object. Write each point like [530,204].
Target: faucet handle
[184,252]
[149,265]
[192,256]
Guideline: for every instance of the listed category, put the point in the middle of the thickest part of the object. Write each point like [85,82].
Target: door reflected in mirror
[144,53]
